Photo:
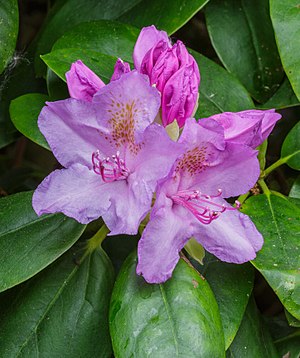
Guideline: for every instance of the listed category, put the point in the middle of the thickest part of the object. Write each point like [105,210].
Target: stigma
[202,206]
[111,168]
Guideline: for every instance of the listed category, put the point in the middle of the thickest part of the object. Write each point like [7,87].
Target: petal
[125,107]
[70,128]
[74,192]
[249,127]
[158,249]
[235,175]
[82,82]
[156,156]
[120,68]
[232,237]
[130,203]
[148,38]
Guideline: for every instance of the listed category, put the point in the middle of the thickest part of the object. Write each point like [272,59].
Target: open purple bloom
[190,203]
[249,127]
[112,154]
[172,70]
[82,82]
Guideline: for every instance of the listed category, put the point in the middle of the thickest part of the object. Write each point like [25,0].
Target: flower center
[202,206]
[110,169]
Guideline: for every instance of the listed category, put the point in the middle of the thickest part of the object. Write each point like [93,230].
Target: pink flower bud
[172,70]
[82,82]
[120,68]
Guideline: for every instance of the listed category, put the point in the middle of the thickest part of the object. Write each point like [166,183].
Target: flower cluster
[117,158]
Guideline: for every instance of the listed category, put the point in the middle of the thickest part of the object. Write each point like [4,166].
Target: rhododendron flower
[172,70]
[249,127]
[83,83]
[112,153]
[190,203]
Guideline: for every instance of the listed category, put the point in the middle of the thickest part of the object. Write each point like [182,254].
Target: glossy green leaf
[219,90]
[253,338]
[291,147]
[285,17]
[178,318]
[232,286]
[295,189]
[60,61]
[284,97]
[107,37]
[9,26]
[29,243]
[136,12]
[279,222]
[242,35]
[24,112]
[57,88]
[165,15]
[61,312]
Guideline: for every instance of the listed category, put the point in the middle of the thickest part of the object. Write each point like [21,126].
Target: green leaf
[29,243]
[165,15]
[61,312]
[219,90]
[178,318]
[285,17]
[232,286]
[279,260]
[294,322]
[242,35]
[284,97]
[57,88]
[295,189]
[24,112]
[291,147]
[194,249]
[289,346]
[107,37]
[60,61]
[9,20]
[253,338]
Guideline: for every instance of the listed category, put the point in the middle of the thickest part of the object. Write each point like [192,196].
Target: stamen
[110,169]
[201,205]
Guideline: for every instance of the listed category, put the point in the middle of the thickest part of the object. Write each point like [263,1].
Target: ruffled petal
[148,38]
[75,191]
[232,237]
[82,82]
[71,129]
[125,107]
[158,249]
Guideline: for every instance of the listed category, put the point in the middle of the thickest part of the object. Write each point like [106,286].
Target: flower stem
[277,164]
[243,197]
[97,239]
[262,154]
[264,187]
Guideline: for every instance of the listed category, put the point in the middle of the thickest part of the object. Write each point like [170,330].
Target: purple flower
[249,127]
[172,70]
[82,82]
[112,153]
[190,203]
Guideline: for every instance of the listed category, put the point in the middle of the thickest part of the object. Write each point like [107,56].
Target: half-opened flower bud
[172,70]
[82,82]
